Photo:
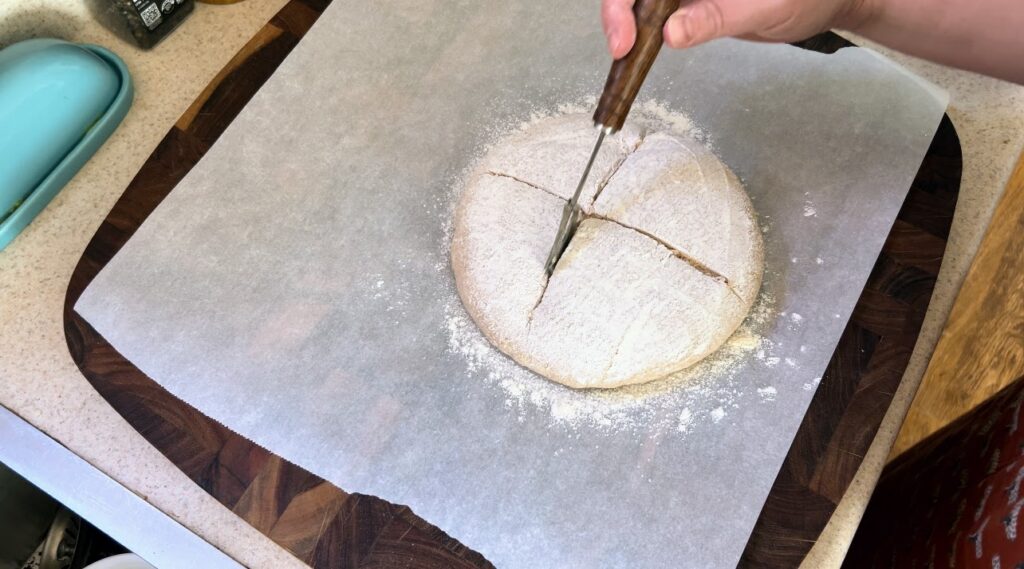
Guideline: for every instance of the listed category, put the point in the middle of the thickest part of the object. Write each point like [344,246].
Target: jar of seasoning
[149,21]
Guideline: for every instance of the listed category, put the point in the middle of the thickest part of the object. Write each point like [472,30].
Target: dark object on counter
[955,498]
[149,21]
[91,545]
[34,526]
[26,513]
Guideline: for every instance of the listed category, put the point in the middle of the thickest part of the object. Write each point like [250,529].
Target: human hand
[698,21]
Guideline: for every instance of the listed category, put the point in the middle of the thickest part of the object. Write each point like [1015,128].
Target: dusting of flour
[698,396]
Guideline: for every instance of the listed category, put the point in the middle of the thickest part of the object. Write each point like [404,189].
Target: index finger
[619,26]
[703,20]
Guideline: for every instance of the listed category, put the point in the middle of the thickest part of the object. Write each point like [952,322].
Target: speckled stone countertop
[39,381]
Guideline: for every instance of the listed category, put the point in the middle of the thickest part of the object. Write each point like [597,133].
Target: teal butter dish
[59,101]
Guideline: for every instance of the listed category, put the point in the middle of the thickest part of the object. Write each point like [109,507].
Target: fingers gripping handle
[627,74]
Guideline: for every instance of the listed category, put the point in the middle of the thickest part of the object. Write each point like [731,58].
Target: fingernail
[674,28]
[678,32]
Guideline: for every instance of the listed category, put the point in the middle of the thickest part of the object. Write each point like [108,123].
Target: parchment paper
[295,285]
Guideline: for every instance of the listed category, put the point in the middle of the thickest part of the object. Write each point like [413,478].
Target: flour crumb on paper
[685,420]
[809,386]
[809,209]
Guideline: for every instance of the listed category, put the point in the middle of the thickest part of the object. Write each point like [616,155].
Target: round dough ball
[664,267]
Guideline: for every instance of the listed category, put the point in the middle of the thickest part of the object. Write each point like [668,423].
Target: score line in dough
[665,266]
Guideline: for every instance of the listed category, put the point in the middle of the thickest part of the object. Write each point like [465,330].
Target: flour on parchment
[681,401]
[661,271]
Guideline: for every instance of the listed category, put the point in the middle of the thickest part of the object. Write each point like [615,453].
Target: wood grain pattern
[981,349]
[327,527]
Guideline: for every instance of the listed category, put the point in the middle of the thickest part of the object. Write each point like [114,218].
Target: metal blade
[571,213]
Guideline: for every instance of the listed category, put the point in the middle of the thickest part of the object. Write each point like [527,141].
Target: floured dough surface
[661,272]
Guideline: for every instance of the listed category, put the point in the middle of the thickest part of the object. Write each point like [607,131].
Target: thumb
[704,20]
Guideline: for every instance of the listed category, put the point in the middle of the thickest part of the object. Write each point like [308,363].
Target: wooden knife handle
[627,74]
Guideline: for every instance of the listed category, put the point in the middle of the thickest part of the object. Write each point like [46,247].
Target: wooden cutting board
[981,349]
[327,527]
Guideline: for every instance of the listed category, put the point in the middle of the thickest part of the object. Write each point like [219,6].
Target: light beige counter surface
[39,380]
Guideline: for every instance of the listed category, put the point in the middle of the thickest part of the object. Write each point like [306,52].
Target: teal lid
[59,102]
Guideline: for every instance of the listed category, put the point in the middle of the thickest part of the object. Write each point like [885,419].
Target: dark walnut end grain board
[325,526]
